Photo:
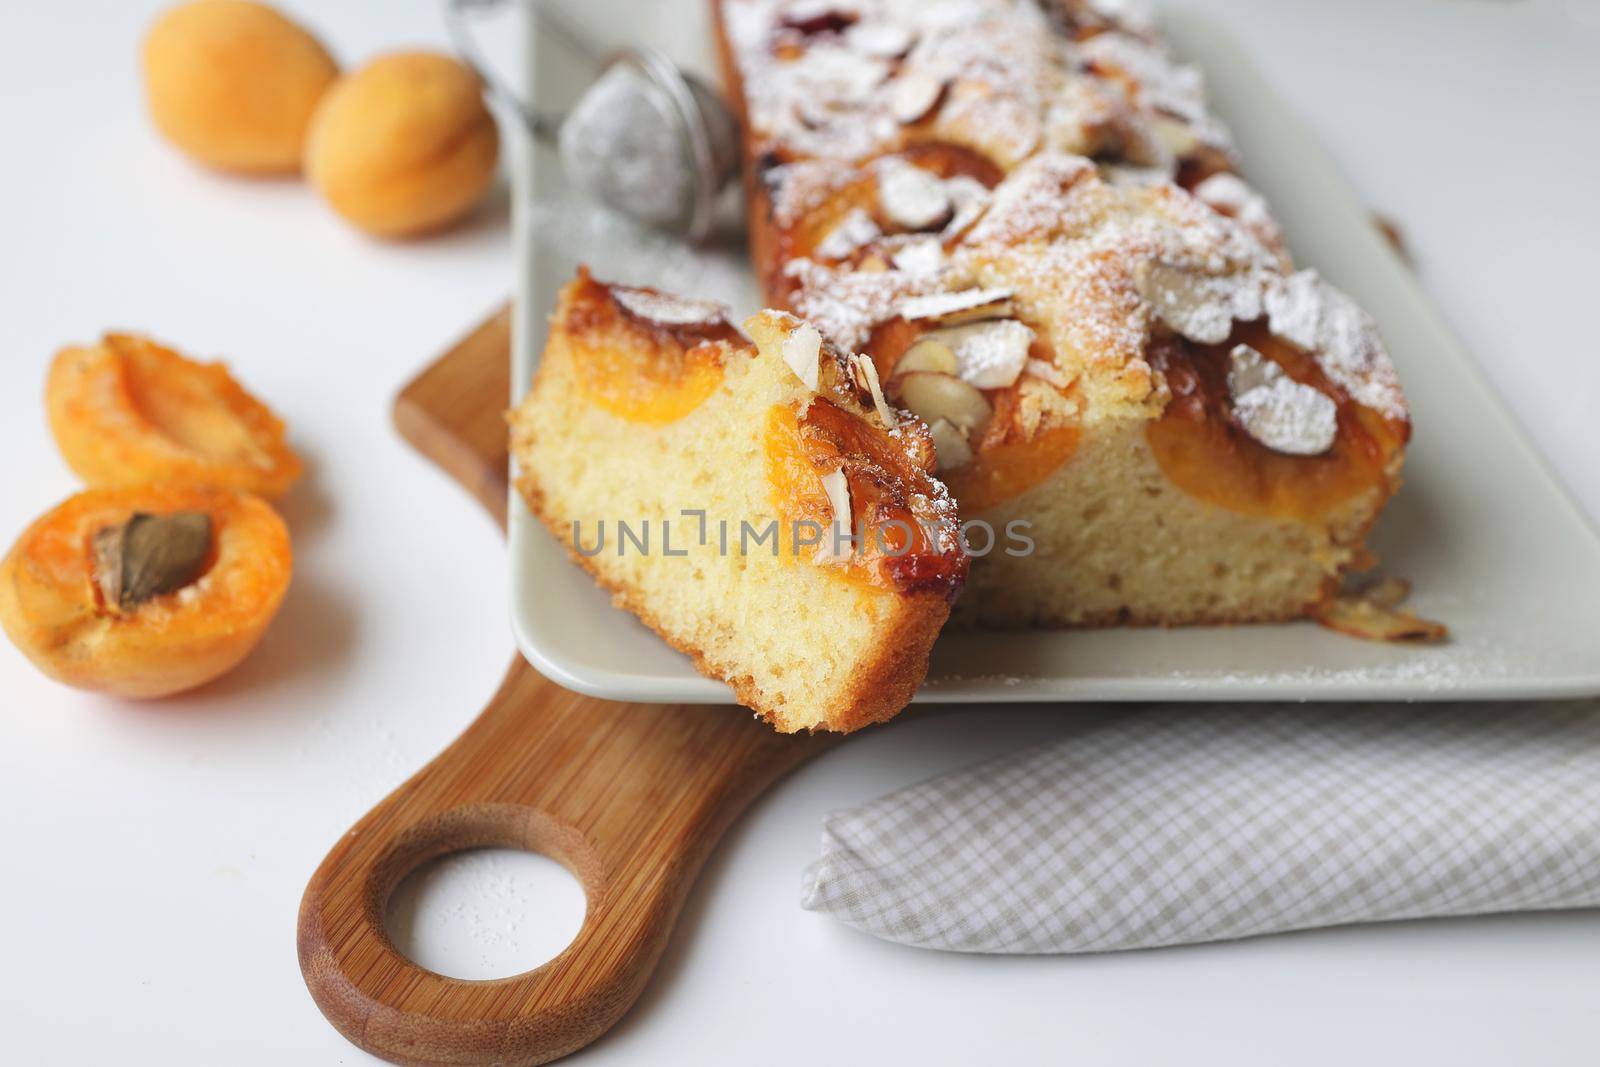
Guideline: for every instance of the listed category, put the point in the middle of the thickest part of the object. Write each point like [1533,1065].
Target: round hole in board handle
[485,913]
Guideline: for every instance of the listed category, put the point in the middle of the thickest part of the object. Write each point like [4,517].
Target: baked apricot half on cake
[754,500]
[146,591]
[129,411]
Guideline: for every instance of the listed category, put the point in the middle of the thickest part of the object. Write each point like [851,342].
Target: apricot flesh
[52,608]
[129,411]
[233,84]
[404,145]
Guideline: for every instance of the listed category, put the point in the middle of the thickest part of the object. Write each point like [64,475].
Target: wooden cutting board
[630,797]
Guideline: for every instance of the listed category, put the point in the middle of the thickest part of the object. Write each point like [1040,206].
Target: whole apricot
[131,412]
[145,591]
[404,145]
[234,83]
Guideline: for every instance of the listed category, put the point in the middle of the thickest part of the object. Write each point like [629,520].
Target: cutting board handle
[631,798]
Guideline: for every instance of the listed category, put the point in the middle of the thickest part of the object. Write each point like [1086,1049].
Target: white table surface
[155,854]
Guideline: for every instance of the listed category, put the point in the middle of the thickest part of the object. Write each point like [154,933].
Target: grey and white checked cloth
[1184,824]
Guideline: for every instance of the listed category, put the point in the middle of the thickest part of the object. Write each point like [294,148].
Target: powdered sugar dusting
[912,198]
[844,80]
[854,231]
[1312,314]
[846,304]
[942,305]
[1230,195]
[1201,307]
[1276,410]
[838,93]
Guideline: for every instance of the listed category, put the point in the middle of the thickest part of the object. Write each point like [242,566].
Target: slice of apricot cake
[752,500]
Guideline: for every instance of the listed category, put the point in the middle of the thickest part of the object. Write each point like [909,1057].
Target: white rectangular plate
[1493,544]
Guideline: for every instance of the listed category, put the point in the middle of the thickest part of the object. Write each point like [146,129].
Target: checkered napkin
[1185,824]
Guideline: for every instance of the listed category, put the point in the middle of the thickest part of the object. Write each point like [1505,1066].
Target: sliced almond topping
[1369,618]
[932,397]
[664,309]
[1389,592]
[1284,415]
[949,446]
[1201,307]
[966,305]
[885,40]
[854,231]
[989,355]
[1176,136]
[914,96]
[1249,369]
[971,200]
[867,372]
[837,486]
[1047,372]
[920,257]
[912,198]
[928,354]
[802,350]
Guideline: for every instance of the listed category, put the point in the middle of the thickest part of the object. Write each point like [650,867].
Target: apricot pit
[145,591]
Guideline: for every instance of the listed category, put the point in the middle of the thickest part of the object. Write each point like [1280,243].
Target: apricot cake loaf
[756,503]
[1024,214]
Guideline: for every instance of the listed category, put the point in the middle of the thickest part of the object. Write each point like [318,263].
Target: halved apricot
[1207,455]
[651,371]
[890,499]
[1008,469]
[131,412]
[145,591]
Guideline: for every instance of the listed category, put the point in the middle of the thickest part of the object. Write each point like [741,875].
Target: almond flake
[1389,592]
[1369,618]
[1320,319]
[1046,372]
[886,40]
[837,486]
[920,257]
[1176,136]
[802,351]
[1284,415]
[914,96]
[989,355]
[867,372]
[854,231]
[950,448]
[971,200]
[966,305]
[664,309]
[912,198]
[927,354]
[932,397]
[1201,307]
